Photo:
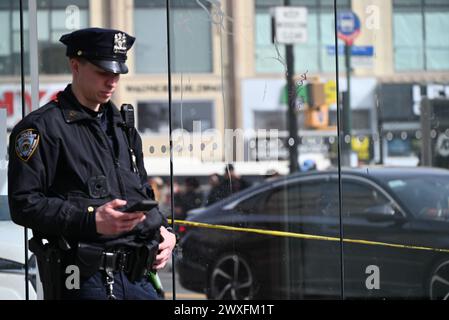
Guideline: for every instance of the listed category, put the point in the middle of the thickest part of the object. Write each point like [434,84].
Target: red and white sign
[348,26]
[11,100]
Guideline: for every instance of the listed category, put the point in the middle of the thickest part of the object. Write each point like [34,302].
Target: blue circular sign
[348,26]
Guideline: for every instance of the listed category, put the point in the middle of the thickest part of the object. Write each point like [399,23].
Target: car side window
[360,198]
[296,199]
[252,204]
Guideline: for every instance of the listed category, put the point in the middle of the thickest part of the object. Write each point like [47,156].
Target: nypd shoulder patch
[26,143]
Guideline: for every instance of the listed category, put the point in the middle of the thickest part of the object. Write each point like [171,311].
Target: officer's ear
[74,65]
[75,62]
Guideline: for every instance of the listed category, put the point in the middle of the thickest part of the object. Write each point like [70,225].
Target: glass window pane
[43,20]
[195,41]
[12,242]
[152,47]
[192,33]
[395,128]
[243,164]
[5,45]
[408,41]
[408,29]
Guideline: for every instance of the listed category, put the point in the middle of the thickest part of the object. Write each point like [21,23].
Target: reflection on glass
[399,82]
[233,170]
[12,254]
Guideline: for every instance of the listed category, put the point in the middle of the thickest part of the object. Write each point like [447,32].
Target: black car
[394,238]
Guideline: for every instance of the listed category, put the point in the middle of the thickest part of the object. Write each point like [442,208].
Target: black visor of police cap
[105,48]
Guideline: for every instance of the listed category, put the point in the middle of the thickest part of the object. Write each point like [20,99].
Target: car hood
[11,242]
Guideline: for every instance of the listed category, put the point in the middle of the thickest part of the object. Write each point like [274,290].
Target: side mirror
[382,213]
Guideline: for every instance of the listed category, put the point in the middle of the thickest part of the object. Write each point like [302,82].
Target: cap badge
[120,43]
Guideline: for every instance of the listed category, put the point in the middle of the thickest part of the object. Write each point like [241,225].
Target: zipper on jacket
[116,163]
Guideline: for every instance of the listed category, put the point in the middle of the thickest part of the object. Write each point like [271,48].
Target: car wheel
[231,278]
[439,282]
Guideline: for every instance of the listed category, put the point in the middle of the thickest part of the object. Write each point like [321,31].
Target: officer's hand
[110,222]
[165,248]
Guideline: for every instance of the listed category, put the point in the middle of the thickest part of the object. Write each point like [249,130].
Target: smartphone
[143,205]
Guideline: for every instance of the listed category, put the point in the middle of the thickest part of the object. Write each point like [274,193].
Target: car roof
[378,174]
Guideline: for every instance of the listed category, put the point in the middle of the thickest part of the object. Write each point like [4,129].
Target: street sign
[362,56]
[365,51]
[290,25]
[348,26]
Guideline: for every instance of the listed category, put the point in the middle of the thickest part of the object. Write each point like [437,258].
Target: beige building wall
[244,49]
[376,20]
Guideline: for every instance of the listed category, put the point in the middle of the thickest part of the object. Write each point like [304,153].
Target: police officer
[73,165]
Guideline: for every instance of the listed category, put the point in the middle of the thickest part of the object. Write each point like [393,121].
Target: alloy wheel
[439,282]
[231,279]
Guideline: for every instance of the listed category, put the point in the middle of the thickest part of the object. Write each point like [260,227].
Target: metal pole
[291,116]
[347,121]
[340,156]
[170,123]
[22,78]
[426,141]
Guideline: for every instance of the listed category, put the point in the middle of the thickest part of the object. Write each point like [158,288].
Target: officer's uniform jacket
[63,165]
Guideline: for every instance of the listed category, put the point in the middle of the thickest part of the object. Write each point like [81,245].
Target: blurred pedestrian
[190,199]
[232,182]
[214,189]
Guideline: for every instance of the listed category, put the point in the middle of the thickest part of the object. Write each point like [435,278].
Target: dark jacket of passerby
[231,184]
[214,193]
[190,199]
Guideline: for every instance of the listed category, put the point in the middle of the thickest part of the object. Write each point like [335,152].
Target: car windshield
[424,197]
[4,209]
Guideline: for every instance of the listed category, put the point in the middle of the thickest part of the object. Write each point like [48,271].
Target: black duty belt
[115,260]
[133,260]
[110,262]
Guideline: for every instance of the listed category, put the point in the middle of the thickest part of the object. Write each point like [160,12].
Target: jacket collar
[73,110]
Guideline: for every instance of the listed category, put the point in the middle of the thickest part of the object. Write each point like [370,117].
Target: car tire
[231,278]
[439,281]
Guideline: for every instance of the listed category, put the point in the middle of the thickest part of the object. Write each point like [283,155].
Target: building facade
[226,73]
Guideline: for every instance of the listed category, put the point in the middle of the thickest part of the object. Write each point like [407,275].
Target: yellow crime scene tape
[301,235]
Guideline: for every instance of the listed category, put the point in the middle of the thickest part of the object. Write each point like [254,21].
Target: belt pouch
[88,259]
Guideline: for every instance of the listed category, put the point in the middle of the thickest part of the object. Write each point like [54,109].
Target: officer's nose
[112,80]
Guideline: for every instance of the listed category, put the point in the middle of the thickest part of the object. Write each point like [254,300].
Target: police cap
[105,48]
